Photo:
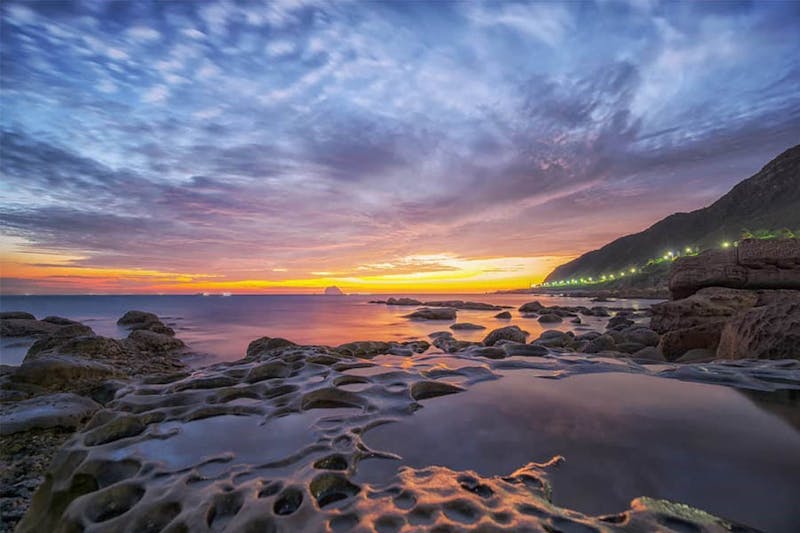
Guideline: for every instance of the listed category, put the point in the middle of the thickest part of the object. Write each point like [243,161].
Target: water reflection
[223,327]
[622,435]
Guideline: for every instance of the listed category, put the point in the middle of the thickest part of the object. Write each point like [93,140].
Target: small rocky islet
[103,434]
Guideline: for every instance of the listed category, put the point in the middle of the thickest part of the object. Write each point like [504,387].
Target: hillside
[768,200]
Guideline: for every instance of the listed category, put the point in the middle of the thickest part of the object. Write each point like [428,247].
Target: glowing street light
[726,244]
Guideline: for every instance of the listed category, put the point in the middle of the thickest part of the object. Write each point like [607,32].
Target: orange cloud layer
[434,273]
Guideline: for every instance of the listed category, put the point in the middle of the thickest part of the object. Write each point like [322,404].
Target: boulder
[141,320]
[369,349]
[630,347]
[62,410]
[403,301]
[649,353]
[531,307]
[603,343]
[466,325]
[696,355]
[641,334]
[588,336]
[85,346]
[753,264]
[428,313]
[364,349]
[263,345]
[25,327]
[508,333]
[449,344]
[712,304]
[619,322]
[63,372]
[524,350]
[60,320]
[133,318]
[768,332]
[17,315]
[59,338]
[489,352]
[150,341]
[675,343]
[555,339]
[550,318]
[505,315]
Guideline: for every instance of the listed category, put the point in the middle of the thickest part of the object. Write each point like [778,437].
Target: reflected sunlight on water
[222,327]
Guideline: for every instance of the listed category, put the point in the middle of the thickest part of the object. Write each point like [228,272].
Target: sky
[180,147]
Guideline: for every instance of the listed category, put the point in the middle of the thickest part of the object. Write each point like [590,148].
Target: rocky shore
[68,374]
[110,475]
[83,417]
[742,303]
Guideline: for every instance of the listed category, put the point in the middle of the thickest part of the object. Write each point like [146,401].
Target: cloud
[280,48]
[547,23]
[155,94]
[143,34]
[407,130]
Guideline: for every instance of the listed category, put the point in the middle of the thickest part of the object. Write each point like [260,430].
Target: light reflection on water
[223,326]
[623,436]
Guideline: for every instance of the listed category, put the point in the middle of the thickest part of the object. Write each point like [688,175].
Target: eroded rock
[466,325]
[64,410]
[432,313]
[768,332]
[508,333]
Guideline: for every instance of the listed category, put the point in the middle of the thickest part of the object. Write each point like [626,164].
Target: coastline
[246,387]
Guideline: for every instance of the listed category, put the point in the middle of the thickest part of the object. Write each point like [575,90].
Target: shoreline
[101,380]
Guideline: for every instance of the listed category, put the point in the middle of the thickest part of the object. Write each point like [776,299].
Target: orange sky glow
[52,273]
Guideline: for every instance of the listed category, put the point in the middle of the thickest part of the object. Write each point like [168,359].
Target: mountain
[768,200]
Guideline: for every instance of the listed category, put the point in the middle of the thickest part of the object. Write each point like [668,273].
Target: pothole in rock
[329,488]
[288,502]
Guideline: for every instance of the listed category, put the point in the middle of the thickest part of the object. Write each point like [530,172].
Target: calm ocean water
[219,328]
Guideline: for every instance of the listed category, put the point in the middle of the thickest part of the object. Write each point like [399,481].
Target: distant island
[334,290]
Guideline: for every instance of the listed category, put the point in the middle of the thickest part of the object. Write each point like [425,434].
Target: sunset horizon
[221,147]
[301,266]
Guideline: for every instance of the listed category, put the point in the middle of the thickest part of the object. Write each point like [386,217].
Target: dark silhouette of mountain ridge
[768,200]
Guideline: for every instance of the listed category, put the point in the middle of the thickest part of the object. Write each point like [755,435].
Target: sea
[219,328]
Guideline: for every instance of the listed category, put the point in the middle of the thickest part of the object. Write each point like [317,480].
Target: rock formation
[753,264]
[67,375]
[333,291]
[737,303]
[427,313]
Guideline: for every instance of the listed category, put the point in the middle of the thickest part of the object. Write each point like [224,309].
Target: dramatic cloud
[275,143]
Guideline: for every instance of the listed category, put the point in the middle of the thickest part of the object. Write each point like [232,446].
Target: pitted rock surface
[273,443]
